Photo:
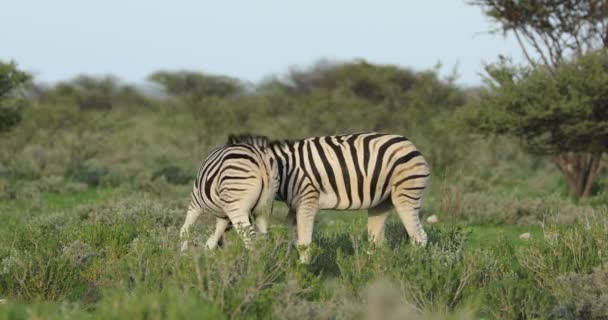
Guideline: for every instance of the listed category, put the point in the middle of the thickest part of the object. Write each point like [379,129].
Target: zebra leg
[261,224]
[305,215]
[240,221]
[291,221]
[184,232]
[376,219]
[407,203]
[261,219]
[216,237]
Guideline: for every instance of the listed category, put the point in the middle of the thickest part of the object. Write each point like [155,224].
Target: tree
[561,111]
[96,93]
[551,29]
[195,85]
[558,104]
[375,83]
[10,80]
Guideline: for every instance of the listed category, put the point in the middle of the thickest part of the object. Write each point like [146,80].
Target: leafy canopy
[11,78]
[196,85]
[553,109]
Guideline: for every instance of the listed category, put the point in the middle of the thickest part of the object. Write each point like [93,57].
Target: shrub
[89,175]
[174,174]
[587,295]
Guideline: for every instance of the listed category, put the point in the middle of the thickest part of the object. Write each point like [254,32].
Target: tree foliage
[564,109]
[196,85]
[11,79]
[558,104]
[95,93]
[373,83]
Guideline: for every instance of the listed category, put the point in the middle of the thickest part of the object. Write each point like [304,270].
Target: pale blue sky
[56,40]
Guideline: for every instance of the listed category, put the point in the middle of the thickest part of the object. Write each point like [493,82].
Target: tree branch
[523,48]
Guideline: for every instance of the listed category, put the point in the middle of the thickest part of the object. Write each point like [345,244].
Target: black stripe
[343,168]
[232,189]
[300,154]
[211,165]
[299,187]
[400,161]
[240,156]
[257,201]
[366,148]
[415,176]
[327,167]
[279,162]
[235,178]
[237,168]
[353,152]
[195,198]
[208,166]
[292,164]
[313,167]
[283,166]
[413,198]
[379,164]
[415,188]
[308,195]
[226,157]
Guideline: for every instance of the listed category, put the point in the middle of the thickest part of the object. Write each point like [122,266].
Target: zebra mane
[256,140]
[252,139]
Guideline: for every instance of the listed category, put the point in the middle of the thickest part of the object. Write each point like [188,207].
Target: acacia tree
[204,95]
[10,79]
[557,104]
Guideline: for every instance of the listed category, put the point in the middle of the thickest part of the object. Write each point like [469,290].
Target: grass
[110,253]
[488,236]
[56,201]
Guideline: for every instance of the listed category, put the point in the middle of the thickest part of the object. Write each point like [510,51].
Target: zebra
[237,184]
[371,170]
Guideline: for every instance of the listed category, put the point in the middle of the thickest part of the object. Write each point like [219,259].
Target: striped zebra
[237,184]
[373,171]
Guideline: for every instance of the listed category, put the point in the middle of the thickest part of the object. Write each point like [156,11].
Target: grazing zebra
[373,171]
[233,182]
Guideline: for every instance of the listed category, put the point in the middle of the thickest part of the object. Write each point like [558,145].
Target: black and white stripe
[237,184]
[374,171]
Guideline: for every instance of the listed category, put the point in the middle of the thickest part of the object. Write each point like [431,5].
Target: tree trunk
[580,170]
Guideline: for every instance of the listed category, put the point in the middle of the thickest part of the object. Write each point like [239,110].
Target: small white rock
[525,236]
[2,301]
[432,219]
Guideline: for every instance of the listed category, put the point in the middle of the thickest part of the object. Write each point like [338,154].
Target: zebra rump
[236,183]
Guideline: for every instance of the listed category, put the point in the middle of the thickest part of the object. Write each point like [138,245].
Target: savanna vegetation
[95,176]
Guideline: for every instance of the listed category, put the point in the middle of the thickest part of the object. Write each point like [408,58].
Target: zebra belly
[330,201]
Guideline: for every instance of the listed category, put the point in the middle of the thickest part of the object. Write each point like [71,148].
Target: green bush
[174,174]
[586,293]
[88,175]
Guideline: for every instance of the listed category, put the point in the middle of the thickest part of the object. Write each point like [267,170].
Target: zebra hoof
[304,252]
[420,241]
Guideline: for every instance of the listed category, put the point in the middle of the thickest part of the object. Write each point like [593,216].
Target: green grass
[488,236]
[56,201]
[108,253]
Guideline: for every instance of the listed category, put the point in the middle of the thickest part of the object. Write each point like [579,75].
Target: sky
[60,39]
